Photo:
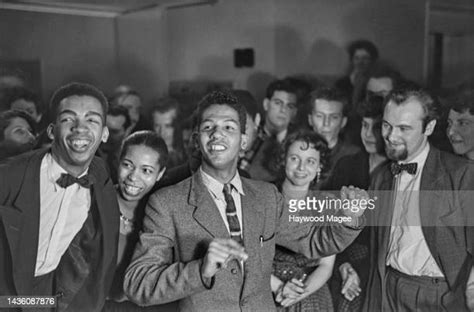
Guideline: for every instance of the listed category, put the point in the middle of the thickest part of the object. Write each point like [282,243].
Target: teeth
[80,143]
[132,189]
[217,147]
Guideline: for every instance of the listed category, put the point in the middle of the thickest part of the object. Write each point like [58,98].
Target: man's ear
[430,127]
[266,103]
[105,134]
[244,139]
[310,120]
[50,131]
[160,175]
[344,122]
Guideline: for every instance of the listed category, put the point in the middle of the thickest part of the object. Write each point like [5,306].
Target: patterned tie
[231,213]
[397,168]
[66,180]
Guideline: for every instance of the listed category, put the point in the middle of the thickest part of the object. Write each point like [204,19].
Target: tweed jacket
[180,222]
[443,214]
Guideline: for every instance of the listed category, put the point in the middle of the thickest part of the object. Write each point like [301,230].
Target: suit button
[59,294]
[233,271]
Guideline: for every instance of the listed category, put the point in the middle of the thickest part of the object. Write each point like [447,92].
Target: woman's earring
[318,175]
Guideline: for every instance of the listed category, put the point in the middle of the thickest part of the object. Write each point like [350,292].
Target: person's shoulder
[11,165]
[175,190]
[258,187]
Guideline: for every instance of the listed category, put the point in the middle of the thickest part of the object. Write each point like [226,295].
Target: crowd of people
[104,207]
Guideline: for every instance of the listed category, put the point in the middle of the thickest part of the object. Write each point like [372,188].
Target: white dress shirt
[408,251]
[63,212]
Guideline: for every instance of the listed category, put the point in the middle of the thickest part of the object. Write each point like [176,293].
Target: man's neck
[222,175]
[75,171]
[417,152]
[279,133]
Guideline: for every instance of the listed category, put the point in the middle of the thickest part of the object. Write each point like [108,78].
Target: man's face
[361,60]
[220,138]
[133,103]
[402,129]
[371,135]
[460,132]
[28,107]
[280,110]
[116,126]
[380,86]
[163,124]
[327,120]
[18,137]
[77,132]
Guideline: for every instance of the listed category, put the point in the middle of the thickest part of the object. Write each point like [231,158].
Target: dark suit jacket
[19,228]
[442,213]
[180,222]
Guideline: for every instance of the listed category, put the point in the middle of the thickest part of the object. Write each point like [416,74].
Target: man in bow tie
[422,239]
[58,209]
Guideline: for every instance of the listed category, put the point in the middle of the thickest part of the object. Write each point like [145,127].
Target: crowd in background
[333,131]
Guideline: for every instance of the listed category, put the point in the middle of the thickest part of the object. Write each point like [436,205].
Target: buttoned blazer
[446,206]
[19,228]
[180,222]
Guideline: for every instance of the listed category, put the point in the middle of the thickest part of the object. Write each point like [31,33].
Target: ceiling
[104,8]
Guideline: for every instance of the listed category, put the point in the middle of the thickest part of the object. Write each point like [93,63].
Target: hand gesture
[350,281]
[219,253]
[356,196]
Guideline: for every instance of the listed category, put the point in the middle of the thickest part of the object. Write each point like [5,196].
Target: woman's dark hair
[311,140]
[149,139]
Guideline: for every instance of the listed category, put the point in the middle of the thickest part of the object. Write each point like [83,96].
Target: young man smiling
[58,214]
[209,241]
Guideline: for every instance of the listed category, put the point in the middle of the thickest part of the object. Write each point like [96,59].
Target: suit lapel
[205,213]
[385,214]
[26,221]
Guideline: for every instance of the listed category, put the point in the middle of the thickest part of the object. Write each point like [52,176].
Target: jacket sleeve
[312,239]
[154,276]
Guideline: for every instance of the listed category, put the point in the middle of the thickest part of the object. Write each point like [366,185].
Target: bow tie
[66,180]
[409,168]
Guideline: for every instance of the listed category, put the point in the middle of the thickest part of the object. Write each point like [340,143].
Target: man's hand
[350,281]
[358,198]
[219,253]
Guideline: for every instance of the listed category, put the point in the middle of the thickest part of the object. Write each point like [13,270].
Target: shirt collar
[54,170]
[215,187]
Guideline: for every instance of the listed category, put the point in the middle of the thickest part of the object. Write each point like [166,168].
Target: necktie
[231,213]
[66,180]
[397,168]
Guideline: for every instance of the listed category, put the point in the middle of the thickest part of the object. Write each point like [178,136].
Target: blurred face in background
[327,120]
[361,60]
[133,104]
[380,86]
[138,172]
[371,135]
[279,110]
[460,132]
[302,164]
[18,137]
[28,107]
[163,125]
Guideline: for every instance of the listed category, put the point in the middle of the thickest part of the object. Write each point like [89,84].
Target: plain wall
[292,37]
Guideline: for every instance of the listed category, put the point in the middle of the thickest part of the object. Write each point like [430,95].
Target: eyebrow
[89,113]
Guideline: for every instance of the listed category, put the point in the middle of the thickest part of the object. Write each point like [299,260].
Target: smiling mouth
[132,190]
[217,147]
[79,145]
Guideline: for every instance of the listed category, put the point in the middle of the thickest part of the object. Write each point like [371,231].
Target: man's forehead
[464,114]
[332,107]
[75,102]
[220,111]
[279,94]
[409,110]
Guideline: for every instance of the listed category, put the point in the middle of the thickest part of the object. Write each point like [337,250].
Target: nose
[301,165]
[326,121]
[79,125]
[132,176]
[450,130]
[217,132]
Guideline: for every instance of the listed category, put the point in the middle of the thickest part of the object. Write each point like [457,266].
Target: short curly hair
[222,98]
